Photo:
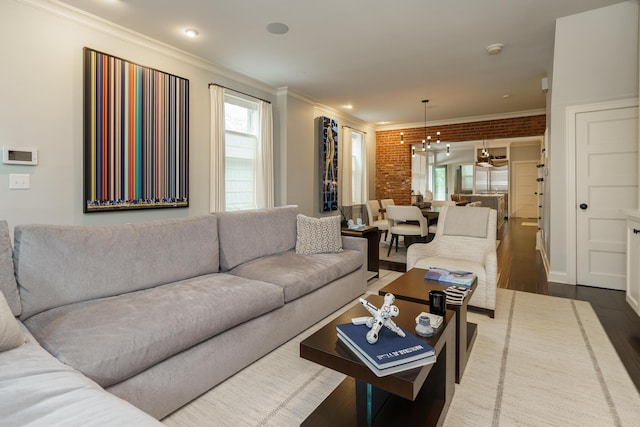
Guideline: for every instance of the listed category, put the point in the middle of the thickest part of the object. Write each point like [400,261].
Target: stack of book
[391,354]
[457,277]
[456,294]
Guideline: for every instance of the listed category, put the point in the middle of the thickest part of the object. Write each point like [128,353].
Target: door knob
[583,206]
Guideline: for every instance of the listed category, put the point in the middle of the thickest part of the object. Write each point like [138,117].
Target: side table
[372,234]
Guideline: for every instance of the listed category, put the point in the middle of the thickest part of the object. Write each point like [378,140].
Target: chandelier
[426,140]
[484,159]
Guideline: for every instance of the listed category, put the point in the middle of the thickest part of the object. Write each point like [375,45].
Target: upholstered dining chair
[428,196]
[387,202]
[373,212]
[465,240]
[399,225]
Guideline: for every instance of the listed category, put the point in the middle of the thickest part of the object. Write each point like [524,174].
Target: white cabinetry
[633,259]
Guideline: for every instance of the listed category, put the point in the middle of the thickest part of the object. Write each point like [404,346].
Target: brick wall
[393,160]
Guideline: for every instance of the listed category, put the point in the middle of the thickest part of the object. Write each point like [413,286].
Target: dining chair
[399,225]
[373,212]
[465,240]
[387,202]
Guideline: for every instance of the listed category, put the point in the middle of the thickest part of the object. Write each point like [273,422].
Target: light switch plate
[19,181]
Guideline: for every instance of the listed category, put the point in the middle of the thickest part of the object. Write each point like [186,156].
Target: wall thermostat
[19,156]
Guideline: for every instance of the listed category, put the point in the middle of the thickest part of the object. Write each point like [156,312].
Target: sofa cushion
[58,265]
[298,274]
[8,284]
[10,333]
[318,235]
[38,390]
[247,235]
[112,339]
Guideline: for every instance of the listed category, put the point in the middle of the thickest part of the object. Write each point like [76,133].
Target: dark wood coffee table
[416,397]
[412,286]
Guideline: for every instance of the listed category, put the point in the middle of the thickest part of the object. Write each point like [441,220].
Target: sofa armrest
[357,244]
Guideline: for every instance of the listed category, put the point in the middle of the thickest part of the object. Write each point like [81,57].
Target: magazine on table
[458,277]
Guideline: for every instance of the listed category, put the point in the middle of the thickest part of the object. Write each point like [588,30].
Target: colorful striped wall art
[136,136]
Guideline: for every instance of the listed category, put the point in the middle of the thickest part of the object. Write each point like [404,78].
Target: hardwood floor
[521,268]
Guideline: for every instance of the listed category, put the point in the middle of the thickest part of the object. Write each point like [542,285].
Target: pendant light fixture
[424,146]
[484,159]
[426,140]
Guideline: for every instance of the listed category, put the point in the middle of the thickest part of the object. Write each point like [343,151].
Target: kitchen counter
[491,200]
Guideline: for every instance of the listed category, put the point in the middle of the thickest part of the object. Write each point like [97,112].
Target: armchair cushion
[465,222]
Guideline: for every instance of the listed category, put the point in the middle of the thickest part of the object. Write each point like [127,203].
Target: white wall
[301,165]
[41,106]
[595,60]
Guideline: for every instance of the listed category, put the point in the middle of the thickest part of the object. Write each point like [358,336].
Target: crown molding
[324,109]
[73,14]
[286,91]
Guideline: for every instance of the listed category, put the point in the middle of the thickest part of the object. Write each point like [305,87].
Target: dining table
[430,213]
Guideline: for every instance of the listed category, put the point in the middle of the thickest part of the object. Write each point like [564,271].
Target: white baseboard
[559,277]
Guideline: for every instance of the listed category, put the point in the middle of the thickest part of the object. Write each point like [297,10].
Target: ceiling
[380,57]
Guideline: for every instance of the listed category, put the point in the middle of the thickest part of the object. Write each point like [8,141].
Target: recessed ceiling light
[348,107]
[190,32]
[505,96]
[494,49]
[277,28]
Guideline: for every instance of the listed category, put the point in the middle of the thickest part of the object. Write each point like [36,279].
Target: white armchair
[465,240]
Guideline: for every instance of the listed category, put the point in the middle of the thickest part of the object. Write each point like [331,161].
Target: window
[467,179]
[241,123]
[440,183]
[358,156]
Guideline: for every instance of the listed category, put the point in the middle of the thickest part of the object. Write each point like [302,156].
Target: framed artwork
[136,136]
[328,131]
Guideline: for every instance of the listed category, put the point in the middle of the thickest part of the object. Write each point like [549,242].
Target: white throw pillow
[318,235]
[11,335]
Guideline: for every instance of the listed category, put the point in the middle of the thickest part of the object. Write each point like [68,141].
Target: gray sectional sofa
[157,313]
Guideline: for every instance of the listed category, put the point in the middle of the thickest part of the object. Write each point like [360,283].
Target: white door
[606,181]
[525,175]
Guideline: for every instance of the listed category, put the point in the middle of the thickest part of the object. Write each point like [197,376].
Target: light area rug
[542,361]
